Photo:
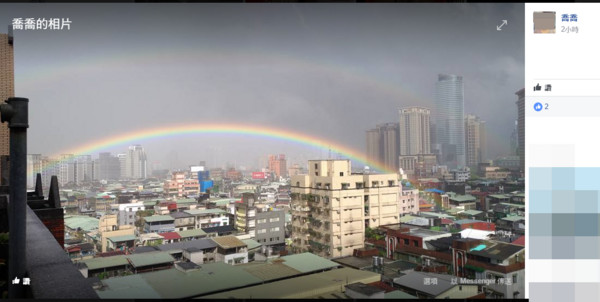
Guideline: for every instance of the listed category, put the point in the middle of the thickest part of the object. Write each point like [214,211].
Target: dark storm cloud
[327,70]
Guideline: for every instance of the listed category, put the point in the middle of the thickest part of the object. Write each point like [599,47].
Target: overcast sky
[329,70]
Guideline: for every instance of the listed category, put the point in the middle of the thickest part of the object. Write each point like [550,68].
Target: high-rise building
[108,167]
[7,86]
[414,131]
[331,207]
[449,119]
[390,145]
[521,127]
[278,165]
[475,137]
[122,165]
[66,169]
[382,145]
[135,163]
[84,169]
[50,167]
[374,146]
[34,166]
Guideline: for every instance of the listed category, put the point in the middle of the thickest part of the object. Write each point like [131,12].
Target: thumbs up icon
[537,87]
[16,280]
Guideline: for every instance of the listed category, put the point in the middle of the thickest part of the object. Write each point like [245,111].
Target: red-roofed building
[519,241]
[170,237]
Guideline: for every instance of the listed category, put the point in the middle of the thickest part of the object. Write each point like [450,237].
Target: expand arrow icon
[499,27]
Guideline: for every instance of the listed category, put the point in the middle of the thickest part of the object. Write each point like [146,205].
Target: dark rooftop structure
[144,249]
[201,244]
[496,250]
[220,230]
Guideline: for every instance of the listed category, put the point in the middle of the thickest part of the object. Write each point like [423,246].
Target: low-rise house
[209,218]
[474,224]
[231,250]
[170,237]
[152,261]
[150,239]
[512,223]
[159,224]
[120,243]
[184,221]
[220,231]
[197,251]
[191,234]
[81,251]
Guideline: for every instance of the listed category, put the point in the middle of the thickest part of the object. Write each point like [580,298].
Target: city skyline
[326,83]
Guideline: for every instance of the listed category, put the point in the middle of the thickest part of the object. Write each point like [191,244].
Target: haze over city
[331,71]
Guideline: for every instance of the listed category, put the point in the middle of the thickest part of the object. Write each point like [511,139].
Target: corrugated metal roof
[192,233]
[251,243]
[150,258]
[157,218]
[105,262]
[175,284]
[228,242]
[207,211]
[308,286]
[129,287]
[86,223]
[121,238]
[308,262]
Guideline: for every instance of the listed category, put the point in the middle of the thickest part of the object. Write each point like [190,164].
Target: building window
[261,231]
[275,229]
[341,173]
[514,278]
[274,219]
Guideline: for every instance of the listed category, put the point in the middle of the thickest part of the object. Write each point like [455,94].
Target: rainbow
[219,128]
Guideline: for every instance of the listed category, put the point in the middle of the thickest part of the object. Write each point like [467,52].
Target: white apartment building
[331,207]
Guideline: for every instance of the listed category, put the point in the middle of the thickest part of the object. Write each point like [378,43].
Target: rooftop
[85,223]
[180,246]
[191,233]
[307,262]
[463,198]
[364,289]
[472,212]
[251,243]
[180,215]
[211,277]
[144,249]
[122,238]
[105,262]
[496,250]
[310,286]
[465,221]
[228,242]
[425,233]
[205,212]
[151,258]
[513,218]
[158,218]
[219,229]
[170,235]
